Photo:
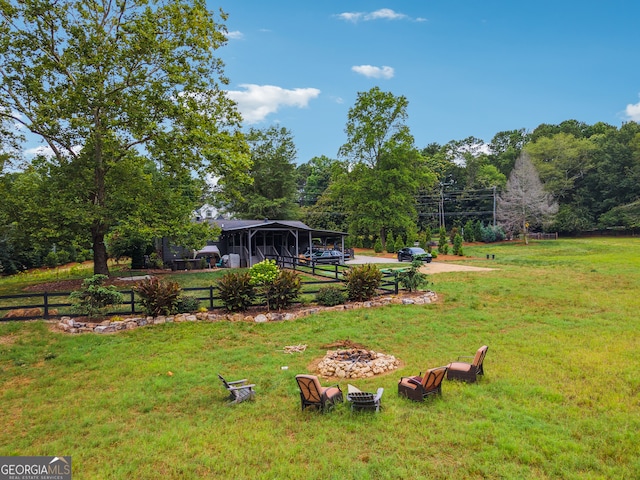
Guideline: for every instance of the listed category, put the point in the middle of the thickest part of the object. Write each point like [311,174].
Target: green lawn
[560,398]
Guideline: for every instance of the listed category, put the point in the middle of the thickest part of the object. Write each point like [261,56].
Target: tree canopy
[108,86]
[524,201]
[272,192]
[379,191]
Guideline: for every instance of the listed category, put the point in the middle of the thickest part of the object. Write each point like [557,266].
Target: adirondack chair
[239,390]
[365,400]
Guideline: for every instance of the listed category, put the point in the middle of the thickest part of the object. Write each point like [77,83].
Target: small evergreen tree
[377,247]
[477,230]
[399,243]
[452,234]
[468,232]
[457,245]
[428,235]
[442,241]
[391,244]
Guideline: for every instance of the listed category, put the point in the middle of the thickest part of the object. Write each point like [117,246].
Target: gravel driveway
[433,267]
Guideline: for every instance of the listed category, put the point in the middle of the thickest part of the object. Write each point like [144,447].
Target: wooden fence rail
[45,306]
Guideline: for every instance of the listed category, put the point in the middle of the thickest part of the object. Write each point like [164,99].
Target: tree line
[129,100]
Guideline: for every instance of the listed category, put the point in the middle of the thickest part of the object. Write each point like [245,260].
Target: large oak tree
[386,172]
[108,85]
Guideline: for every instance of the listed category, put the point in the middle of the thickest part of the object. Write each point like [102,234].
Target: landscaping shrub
[94,297]
[158,297]
[362,281]
[412,279]
[468,232]
[477,230]
[331,295]
[264,272]
[442,241]
[263,276]
[188,303]
[399,245]
[452,234]
[428,235]
[492,234]
[391,244]
[51,260]
[457,245]
[284,290]
[236,291]
[377,247]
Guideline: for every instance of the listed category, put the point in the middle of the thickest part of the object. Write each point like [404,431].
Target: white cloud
[374,72]
[350,16]
[381,14]
[256,102]
[633,112]
[235,35]
[385,13]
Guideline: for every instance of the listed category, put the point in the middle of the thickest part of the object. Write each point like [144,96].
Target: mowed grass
[560,398]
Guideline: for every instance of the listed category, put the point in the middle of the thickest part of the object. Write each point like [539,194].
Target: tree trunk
[383,238]
[99,229]
[99,250]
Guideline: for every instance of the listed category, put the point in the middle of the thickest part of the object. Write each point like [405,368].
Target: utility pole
[494,205]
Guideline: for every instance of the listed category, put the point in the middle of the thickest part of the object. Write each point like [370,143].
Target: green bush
[427,235]
[362,281]
[377,247]
[51,259]
[391,244]
[158,297]
[457,245]
[468,231]
[452,234]
[264,273]
[284,290]
[330,296]
[236,291]
[412,279]
[155,262]
[442,240]
[188,303]
[399,243]
[93,297]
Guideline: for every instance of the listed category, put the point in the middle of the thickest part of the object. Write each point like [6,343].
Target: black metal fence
[48,304]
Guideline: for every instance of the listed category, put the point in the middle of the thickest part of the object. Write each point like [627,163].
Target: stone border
[71,325]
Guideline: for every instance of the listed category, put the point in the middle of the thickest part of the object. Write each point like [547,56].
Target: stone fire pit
[356,363]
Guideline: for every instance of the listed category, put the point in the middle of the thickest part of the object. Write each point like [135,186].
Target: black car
[413,253]
[327,256]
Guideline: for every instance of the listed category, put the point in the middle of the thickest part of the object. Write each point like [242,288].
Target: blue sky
[467,68]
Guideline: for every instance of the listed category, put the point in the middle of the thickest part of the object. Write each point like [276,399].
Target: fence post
[46,306]
[133,302]
[395,278]
[211,297]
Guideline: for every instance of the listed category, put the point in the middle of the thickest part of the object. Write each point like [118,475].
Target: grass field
[560,397]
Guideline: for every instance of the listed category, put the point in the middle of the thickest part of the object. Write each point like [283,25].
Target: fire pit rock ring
[356,363]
